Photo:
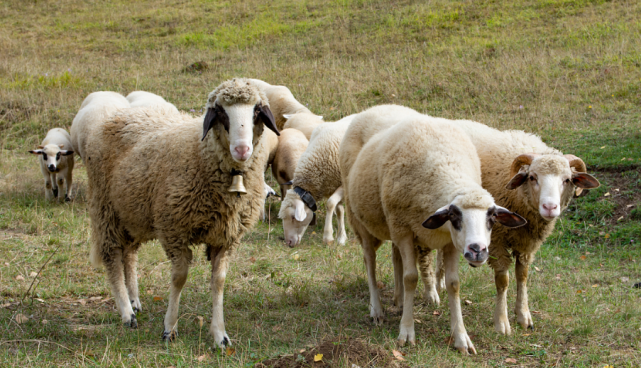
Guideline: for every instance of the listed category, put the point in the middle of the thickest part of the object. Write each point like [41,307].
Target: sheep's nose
[52,168]
[242,150]
[550,206]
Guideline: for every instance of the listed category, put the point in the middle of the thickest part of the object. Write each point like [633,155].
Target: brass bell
[237,184]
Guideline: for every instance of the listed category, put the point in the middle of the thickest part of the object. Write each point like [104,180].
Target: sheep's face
[471,228]
[296,218]
[548,182]
[51,155]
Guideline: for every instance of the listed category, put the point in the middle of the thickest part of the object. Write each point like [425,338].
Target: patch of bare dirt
[625,191]
[342,351]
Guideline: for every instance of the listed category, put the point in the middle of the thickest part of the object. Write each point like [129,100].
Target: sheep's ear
[508,218]
[516,181]
[36,152]
[585,181]
[288,116]
[299,212]
[438,219]
[61,145]
[66,152]
[215,115]
[41,147]
[265,115]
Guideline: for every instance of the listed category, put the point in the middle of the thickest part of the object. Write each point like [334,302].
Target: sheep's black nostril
[469,255]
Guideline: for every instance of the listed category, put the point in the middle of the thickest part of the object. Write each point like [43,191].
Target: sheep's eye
[532,178]
[567,181]
[44,156]
[58,156]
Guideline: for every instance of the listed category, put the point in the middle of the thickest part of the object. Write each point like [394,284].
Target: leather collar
[306,197]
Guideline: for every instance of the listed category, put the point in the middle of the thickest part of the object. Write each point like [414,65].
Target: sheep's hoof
[55,192]
[169,336]
[67,199]
[133,323]
[225,342]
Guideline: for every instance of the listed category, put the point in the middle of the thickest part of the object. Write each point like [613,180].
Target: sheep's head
[296,218]
[548,181]
[470,219]
[51,154]
[242,111]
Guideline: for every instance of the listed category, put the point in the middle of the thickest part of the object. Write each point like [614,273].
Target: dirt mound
[343,352]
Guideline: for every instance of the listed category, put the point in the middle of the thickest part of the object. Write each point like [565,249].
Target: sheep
[95,109]
[148,99]
[420,167]
[316,177]
[281,101]
[538,182]
[56,162]
[304,122]
[154,174]
[291,146]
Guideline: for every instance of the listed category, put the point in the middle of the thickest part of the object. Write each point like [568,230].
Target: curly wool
[237,90]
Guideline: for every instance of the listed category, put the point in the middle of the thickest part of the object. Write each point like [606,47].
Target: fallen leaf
[607,194]
[40,300]
[301,351]
[537,269]
[7,264]
[558,276]
[616,190]
[201,321]
[579,291]
[510,360]
[355,366]
[380,285]
[418,321]
[468,302]
[607,236]
[536,312]
[620,218]
[157,298]
[82,302]
[21,318]
[252,259]
[44,321]
[296,257]
[202,357]
[95,298]
[230,351]
[630,205]
[318,357]
[526,334]
[583,257]
[313,232]
[608,366]
[398,355]
[436,313]
[625,279]
[33,274]
[19,278]
[602,147]
[595,285]
[5,305]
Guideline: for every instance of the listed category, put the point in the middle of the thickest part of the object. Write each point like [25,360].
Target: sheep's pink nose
[242,150]
[550,206]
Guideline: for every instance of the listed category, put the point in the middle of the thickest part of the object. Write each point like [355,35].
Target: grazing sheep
[538,182]
[56,163]
[304,122]
[148,99]
[281,101]
[95,109]
[155,174]
[416,169]
[317,177]
[291,146]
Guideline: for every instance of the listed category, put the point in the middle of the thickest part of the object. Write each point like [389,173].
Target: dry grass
[569,70]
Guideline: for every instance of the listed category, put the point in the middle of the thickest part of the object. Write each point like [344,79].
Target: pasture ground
[569,70]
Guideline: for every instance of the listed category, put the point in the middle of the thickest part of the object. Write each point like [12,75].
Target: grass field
[569,70]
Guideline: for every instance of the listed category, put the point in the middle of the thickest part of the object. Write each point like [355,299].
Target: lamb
[154,174]
[304,122]
[56,162]
[537,181]
[281,101]
[317,177]
[95,109]
[420,167]
[148,99]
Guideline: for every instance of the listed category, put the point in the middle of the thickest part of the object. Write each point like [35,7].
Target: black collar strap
[306,197]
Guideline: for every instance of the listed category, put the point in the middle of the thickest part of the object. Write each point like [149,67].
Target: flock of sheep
[424,183]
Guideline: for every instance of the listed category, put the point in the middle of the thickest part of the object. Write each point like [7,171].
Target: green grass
[569,70]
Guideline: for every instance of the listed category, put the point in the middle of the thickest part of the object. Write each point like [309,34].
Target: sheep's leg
[48,187]
[440,272]
[333,200]
[54,185]
[69,183]
[501,322]
[397,261]
[410,279]
[461,340]
[180,260]
[130,257]
[342,234]
[426,266]
[61,183]
[113,262]
[219,259]
[522,310]
[370,244]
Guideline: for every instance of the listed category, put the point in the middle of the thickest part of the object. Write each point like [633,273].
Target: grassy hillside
[569,70]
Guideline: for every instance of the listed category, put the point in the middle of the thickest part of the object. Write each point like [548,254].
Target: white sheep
[421,168]
[95,109]
[535,180]
[317,177]
[303,122]
[291,146]
[155,174]
[281,101]
[148,99]
[56,162]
